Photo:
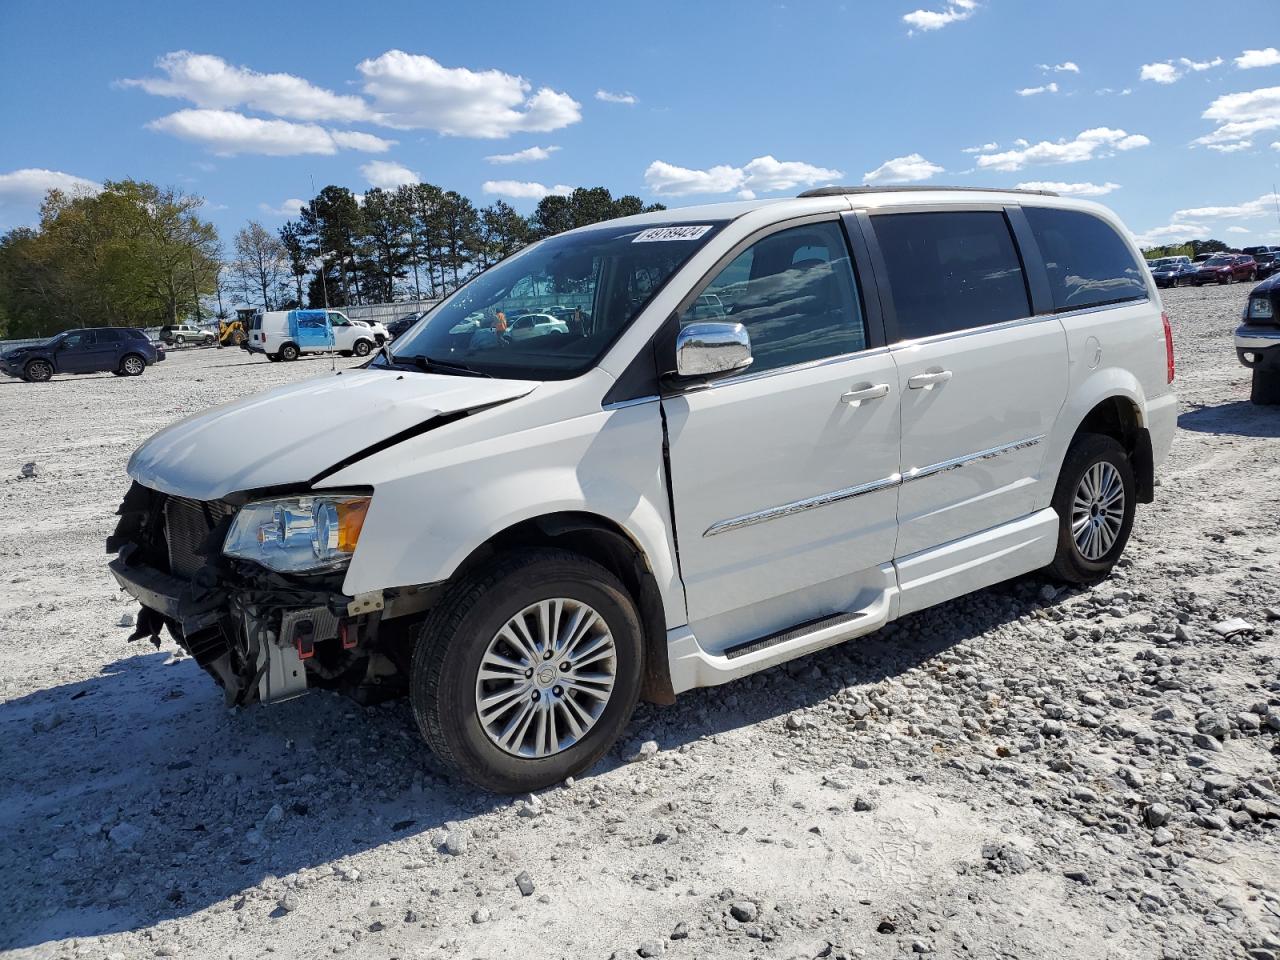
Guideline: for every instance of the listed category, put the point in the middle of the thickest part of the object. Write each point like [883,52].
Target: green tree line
[136,254]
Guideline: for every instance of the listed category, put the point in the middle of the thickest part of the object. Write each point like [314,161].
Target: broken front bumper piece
[255,639]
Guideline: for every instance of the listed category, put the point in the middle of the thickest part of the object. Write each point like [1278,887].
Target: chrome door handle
[922,380]
[865,393]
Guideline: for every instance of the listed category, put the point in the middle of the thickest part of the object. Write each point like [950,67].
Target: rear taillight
[1168,346]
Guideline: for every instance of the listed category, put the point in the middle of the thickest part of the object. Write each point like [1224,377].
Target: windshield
[1217,261]
[551,312]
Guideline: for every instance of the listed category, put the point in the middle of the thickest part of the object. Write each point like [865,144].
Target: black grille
[186,525]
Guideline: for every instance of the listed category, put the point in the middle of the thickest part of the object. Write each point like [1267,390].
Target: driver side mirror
[712,349]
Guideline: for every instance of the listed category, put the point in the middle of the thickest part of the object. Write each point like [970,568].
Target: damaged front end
[264,636]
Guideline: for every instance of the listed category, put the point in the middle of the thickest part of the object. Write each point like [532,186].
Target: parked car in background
[1265,258]
[1173,271]
[532,325]
[1258,340]
[398,326]
[1226,268]
[379,332]
[1202,257]
[124,351]
[178,334]
[287,334]
[527,536]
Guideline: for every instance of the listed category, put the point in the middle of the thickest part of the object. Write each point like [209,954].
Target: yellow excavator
[232,333]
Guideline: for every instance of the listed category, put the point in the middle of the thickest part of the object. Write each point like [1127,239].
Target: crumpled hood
[291,434]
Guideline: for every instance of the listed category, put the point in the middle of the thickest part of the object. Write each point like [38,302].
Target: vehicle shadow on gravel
[1238,418]
[135,796]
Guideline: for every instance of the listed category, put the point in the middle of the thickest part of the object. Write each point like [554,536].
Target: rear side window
[110,335]
[1088,264]
[795,293]
[951,271]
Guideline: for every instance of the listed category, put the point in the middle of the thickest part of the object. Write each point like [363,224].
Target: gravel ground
[1020,773]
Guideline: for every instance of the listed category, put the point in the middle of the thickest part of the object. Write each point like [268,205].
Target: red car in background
[1226,268]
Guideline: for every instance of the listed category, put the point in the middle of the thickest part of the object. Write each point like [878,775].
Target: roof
[844,191]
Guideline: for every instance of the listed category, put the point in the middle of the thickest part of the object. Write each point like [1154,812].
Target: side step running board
[820,625]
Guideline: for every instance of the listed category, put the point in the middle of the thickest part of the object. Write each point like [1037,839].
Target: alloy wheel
[132,366]
[1097,511]
[546,678]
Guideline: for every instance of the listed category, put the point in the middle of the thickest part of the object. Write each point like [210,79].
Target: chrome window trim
[848,493]
[797,367]
[634,401]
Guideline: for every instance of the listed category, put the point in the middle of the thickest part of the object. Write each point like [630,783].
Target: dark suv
[1265,257]
[122,350]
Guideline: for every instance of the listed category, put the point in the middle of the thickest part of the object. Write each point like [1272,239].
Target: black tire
[180,340]
[456,635]
[1070,563]
[38,371]
[288,352]
[1265,390]
[132,365]
[361,348]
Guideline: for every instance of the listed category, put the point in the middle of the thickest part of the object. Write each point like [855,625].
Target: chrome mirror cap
[712,348]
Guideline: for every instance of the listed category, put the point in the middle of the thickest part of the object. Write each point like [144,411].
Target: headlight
[298,534]
[1260,308]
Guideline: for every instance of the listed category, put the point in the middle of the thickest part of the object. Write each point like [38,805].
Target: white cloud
[525,189]
[1252,59]
[388,174]
[1231,147]
[227,133]
[1276,145]
[909,169]
[762,174]
[1171,233]
[1097,142]
[954,12]
[985,148]
[1071,189]
[1067,67]
[608,97]
[1238,230]
[1265,205]
[528,155]
[30,184]
[1032,91]
[414,91]
[1242,115]
[290,208]
[766,174]
[1159,72]
[746,194]
[209,81]
[1170,71]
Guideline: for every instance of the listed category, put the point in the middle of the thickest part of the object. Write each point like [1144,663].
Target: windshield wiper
[430,365]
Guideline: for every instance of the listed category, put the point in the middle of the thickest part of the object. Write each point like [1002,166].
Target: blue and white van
[287,334]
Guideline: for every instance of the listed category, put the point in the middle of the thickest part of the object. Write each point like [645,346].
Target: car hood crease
[293,433]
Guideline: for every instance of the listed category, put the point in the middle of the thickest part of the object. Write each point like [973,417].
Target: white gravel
[1021,773]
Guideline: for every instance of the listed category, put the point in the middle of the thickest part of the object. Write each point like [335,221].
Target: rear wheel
[1095,501]
[1265,390]
[528,670]
[288,352]
[132,365]
[38,371]
[179,339]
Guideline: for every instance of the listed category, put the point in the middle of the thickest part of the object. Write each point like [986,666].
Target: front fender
[432,511]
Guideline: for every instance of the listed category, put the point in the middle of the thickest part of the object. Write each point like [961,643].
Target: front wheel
[528,670]
[38,371]
[1265,390]
[361,348]
[1095,501]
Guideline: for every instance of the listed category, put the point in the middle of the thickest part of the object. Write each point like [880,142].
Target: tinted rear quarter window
[951,271]
[1089,265]
[109,335]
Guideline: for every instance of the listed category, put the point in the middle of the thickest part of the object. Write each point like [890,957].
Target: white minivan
[287,334]
[769,427]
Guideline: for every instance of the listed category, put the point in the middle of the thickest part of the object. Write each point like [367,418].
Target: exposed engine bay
[262,636]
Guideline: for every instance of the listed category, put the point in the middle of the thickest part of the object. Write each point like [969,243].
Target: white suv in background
[761,428]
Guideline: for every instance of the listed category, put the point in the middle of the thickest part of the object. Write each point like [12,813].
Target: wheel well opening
[1117,417]
[606,543]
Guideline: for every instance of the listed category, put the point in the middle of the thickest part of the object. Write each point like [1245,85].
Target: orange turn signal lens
[351,514]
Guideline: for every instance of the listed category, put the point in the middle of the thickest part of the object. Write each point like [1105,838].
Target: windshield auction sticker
[655,234]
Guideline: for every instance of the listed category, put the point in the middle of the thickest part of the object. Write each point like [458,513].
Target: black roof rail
[841,191]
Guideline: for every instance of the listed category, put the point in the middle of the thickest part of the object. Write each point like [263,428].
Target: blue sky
[1169,116]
